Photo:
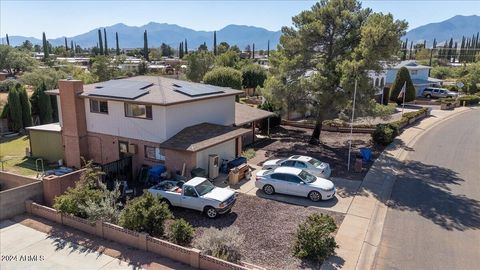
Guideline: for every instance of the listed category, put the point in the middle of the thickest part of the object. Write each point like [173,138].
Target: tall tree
[72,48]
[41,104]
[253,51]
[186,47]
[105,37]
[333,52]
[180,50]
[46,49]
[411,49]
[8,40]
[268,48]
[66,44]
[100,42]
[404,48]
[15,109]
[117,45]
[26,107]
[214,42]
[145,45]
[402,77]
[198,64]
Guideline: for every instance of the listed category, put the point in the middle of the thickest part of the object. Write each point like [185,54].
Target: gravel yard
[286,141]
[268,226]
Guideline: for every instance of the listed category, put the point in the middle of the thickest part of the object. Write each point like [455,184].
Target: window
[97,106]
[382,82]
[292,179]
[278,176]
[289,163]
[154,153]
[190,192]
[376,82]
[413,72]
[138,111]
[299,164]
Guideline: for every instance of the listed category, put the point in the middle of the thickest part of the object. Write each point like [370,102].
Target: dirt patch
[268,226]
[333,148]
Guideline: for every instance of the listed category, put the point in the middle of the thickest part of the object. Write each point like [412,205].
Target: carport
[247,116]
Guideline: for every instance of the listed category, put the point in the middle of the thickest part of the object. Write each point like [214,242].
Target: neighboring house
[153,120]
[378,80]
[418,73]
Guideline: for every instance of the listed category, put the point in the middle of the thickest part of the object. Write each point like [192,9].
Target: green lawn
[12,155]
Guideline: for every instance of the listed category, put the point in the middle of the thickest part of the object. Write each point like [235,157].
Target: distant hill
[171,34]
[455,27]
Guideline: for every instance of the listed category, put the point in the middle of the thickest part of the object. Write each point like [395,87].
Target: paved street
[433,219]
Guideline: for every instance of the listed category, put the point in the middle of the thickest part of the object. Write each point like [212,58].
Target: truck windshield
[204,187]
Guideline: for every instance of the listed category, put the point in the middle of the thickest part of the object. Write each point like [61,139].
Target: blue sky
[69,18]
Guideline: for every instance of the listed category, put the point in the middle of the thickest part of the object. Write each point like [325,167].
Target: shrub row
[384,134]
[469,100]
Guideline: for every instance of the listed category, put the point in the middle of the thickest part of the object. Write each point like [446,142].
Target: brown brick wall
[56,185]
[174,160]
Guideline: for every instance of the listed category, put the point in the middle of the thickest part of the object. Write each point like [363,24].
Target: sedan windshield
[315,162]
[204,187]
[306,177]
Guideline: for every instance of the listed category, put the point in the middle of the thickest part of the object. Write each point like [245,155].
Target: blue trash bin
[366,154]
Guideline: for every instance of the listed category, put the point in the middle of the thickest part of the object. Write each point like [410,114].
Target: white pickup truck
[198,194]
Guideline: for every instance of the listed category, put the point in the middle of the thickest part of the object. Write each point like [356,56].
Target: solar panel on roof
[124,89]
[195,90]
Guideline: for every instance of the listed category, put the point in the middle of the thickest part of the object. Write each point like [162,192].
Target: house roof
[410,64]
[54,127]
[245,114]
[161,90]
[429,81]
[202,136]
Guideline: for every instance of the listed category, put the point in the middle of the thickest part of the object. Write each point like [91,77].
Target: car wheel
[428,96]
[211,212]
[268,189]
[314,196]
[169,204]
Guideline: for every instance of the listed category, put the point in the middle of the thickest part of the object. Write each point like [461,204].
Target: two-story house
[154,120]
[418,73]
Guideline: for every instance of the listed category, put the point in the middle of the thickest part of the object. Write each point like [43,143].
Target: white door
[190,198]
[295,185]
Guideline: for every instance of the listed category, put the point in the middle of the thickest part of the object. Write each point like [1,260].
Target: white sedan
[310,164]
[293,181]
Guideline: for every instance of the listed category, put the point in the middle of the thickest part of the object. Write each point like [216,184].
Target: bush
[146,213]
[181,232]
[402,76]
[469,100]
[253,76]
[315,239]
[224,244]
[385,133]
[225,77]
[249,153]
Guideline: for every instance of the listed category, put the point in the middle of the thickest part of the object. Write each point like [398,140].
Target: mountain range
[171,34]
[241,35]
[455,28]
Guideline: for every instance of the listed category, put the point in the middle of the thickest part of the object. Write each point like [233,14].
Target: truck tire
[428,96]
[169,204]
[211,212]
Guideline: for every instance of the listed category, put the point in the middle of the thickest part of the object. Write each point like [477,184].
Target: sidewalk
[360,233]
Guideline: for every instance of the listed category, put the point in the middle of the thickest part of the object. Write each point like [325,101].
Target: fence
[142,241]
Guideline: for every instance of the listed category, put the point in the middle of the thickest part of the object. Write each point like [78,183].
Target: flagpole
[351,126]
[404,94]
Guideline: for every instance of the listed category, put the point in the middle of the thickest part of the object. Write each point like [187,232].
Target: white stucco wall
[224,150]
[219,111]
[116,124]
[59,108]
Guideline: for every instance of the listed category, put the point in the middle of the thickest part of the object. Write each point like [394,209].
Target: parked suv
[431,92]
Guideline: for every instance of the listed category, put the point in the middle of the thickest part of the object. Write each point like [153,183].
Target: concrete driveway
[346,190]
[22,247]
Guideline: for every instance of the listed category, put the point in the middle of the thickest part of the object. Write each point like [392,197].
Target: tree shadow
[198,219]
[427,190]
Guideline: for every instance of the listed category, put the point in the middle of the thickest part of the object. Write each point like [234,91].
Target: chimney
[74,128]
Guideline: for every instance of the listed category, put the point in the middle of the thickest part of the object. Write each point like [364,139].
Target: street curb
[368,253]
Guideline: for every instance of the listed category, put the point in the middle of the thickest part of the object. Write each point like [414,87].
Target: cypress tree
[8,40]
[72,48]
[145,45]
[100,41]
[405,50]
[253,51]
[117,45]
[215,42]
[41,104]
[268,48]
[45,46]
[186,48]
[402,76]
[411,49]
[26,107]
[454,52]
[15,109]
[66,44]
[450,50]
[462,50]
[105,37]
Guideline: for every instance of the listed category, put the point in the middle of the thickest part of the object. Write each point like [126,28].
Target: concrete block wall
[54,186]
[12,200]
